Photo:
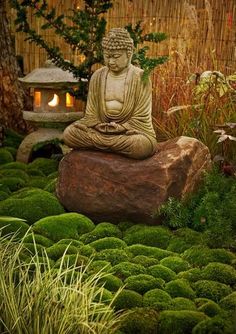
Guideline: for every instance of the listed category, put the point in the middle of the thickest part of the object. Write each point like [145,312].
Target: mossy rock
[178,245]
[64,226]
[229,302]
[114,256]
[180,288]
[211,290]
[13,226]
[128,299]
[71,242]
[141,321]
[192,275]
[220,272]
[101,231]
[12,182]
[56,251]
[14,165]
[200,256]
[100,266]
[145,261]
[175,263]
[179,322]
[38,239]
[51,186]
[111,283]
[47,166]
[155,252]
[70,260]
[19,173]
[38,182]
[5,156]
[160,271]
[154,236]
[142,283]
[3,195]
[181,303]
[31,205]
[107,243]
[157,299]
[210,308]
[215,325]
[126,269]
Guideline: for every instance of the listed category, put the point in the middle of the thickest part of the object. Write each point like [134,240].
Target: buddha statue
[118,111]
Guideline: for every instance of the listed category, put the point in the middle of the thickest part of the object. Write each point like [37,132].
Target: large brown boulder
[110,187]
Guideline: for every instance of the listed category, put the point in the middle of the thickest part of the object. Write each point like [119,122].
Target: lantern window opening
[69,100]
[54,101]
[37,99]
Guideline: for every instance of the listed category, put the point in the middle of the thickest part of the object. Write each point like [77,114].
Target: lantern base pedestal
[39,136]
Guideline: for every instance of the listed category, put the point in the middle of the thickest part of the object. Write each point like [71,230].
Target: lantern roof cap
[49,76]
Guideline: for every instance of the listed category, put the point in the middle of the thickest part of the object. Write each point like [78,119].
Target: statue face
[116,60]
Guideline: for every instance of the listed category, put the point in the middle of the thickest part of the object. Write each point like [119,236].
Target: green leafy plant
[83,34]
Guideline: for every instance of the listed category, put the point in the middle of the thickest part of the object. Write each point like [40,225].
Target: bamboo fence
[201,31]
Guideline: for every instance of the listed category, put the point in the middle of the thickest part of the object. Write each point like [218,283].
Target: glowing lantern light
[55,101]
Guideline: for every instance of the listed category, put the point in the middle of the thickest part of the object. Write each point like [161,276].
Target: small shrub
[47,166]
[175,263]
[126,269]
[114,256]
[128,299]
[180,288]
[153,236]
[179,322]
[57,250]
[220,272]
[5,156]
[31,205]
[142,283]
[64,226]
[160,271]
[229,302]
[102,230]
[157,299]
[180,303]
[108,242]
[211,290]
[155,252]
[141,321]
[145,261]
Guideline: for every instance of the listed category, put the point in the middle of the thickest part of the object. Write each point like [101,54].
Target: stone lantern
[54,108]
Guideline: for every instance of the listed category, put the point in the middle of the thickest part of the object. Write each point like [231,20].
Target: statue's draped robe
[135,115]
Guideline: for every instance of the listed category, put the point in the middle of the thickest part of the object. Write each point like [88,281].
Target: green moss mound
[112,283]
[211,290]
[38,182]
[14,165]
[178,245]
[192,275]
[3,195]
[87,250]
[64,226]
[180,288]
[14,173]
[5,156]
[124,225]
[145,261]
[220,272]
[12,138]
[56,251]
[210,308]
[154,236]
[51,186]
[141,321]
[70,260]
[31,205]
[102,230]
[157,299]
[100,265]
[108,242]
[38,239]
[229,302]
[142,283]
[128,299]
[47,166]
[32,248]
[216,325]
[155,252]
[181,303]
[12,225]
[34,172]
[12,182]
[114,256]
[12,150]
[70,242]
[188,235]
[175,263]
[126,269]
[160,271]
[179,322]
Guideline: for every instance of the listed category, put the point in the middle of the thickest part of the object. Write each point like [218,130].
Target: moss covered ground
[172,280]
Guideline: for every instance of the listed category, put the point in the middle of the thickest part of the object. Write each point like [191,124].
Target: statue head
[117,49]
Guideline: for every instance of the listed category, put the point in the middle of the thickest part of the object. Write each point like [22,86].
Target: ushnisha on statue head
[118,49]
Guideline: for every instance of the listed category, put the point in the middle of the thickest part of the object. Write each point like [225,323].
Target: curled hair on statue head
[118,39]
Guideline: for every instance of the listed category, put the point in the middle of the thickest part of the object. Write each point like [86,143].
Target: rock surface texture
[110,187]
